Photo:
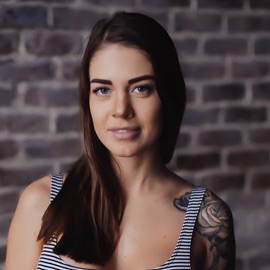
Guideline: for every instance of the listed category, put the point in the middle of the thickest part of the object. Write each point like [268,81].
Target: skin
[156,198]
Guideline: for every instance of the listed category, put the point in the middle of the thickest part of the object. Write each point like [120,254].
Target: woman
[119,206]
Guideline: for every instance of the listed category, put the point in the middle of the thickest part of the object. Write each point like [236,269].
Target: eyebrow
[131,81]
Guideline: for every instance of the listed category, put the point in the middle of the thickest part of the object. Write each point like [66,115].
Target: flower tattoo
[215,224]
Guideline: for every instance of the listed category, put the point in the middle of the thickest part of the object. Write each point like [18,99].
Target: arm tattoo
[215,223]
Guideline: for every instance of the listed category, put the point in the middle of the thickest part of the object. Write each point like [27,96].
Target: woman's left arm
[215,225]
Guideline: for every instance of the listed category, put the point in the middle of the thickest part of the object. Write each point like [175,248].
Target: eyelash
[145,87]
[96,90]
[148,88]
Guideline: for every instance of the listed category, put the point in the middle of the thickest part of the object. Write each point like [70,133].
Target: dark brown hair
[88,210]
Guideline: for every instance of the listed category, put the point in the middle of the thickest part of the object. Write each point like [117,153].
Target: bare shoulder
[215,226]
[23,248]
[36,195]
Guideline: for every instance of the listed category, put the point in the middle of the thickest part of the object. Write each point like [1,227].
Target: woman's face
[124,103]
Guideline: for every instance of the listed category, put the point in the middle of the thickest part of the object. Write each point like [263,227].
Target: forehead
[116,60]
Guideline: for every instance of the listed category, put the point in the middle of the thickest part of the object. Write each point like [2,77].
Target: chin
[124,154]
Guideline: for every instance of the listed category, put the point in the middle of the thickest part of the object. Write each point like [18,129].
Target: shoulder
[37,194]
[23,248]
[214,213]
[215,227]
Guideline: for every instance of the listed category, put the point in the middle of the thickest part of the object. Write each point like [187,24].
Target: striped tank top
[180,259]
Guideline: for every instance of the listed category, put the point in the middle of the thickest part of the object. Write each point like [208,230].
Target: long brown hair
[88,210]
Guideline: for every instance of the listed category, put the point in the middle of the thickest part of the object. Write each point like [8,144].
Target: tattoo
[215,223]
[182,202]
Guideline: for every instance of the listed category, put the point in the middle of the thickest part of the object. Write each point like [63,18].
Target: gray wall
[224,48]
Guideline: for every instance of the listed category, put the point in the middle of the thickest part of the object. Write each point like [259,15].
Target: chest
[147,239]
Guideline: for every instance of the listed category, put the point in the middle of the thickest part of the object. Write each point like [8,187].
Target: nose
[122,106]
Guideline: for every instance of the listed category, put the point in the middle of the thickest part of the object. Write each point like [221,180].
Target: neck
[137,174]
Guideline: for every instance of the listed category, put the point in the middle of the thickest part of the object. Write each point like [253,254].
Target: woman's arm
[23,249]
[215,225]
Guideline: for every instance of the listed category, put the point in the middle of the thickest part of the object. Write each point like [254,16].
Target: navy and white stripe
[181,255]
[179,260]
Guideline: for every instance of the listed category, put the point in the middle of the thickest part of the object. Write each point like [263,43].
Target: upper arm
[23,249]
[215,226]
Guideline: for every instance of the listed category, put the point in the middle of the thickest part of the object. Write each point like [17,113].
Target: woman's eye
[101,91]
[143,89]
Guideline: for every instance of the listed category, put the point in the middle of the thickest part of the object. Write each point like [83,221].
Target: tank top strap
[56,184]
[194,205]
[184,242]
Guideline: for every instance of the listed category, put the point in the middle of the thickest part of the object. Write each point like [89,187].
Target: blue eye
[101,91]
[143,89]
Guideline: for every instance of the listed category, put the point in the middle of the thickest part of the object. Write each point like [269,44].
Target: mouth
[124,133]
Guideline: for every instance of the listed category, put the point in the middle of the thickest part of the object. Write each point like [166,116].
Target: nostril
[124,110]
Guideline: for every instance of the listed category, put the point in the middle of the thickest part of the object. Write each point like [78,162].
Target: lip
[124,132]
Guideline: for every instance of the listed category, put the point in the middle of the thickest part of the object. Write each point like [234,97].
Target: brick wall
[224,48]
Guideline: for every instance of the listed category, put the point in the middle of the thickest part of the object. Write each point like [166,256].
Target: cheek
[153,116]
[96,114]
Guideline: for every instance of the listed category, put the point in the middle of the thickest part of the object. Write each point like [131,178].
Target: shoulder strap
[56,184]
[184,242]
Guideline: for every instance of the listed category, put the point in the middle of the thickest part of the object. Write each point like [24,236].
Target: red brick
[34,71]
[9,43]
[65,123]
[106,3]
[47,96]
[199,161]
[251,69]
[75,19]
[248,24]
[220,137]
[245,115]
[52,148]
[245,202]
[71,70]
[203,70]
[219,182]
[8,149]
[8,201]
[260,181]
[7,96]
[224,92]
[259,4]
[165,3]
[235,4]
[262,46]
[261,91]
[248,158]
[187,46]
[6,70]
[23,17]
[27,123]
[50,1]
[45,43]
[260,135]
[22,176]
[226,46]
[200,116]
[197,22]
